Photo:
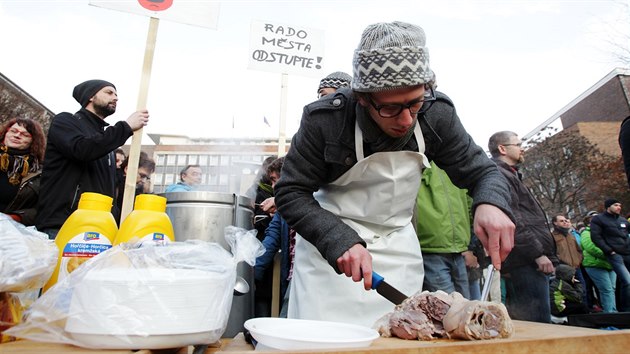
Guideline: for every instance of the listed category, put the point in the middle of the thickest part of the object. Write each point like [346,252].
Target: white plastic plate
[141,342]
[293,334]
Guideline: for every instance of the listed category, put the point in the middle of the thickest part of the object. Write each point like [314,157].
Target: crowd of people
[380,177]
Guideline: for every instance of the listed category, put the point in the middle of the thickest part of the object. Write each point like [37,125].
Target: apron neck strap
[358,140]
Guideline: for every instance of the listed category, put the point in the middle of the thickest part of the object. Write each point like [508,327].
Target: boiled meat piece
[477,319]
[430,315]
[406,325]
[433,304]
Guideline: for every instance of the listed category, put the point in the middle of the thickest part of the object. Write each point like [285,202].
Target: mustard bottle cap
[95,201]
[150,202]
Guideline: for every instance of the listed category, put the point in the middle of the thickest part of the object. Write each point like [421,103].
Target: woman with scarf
[22,148]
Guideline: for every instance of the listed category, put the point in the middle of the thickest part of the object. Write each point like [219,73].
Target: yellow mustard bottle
[88,231]
[147,223]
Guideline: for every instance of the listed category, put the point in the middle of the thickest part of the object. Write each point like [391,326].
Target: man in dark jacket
[360,151]
[528,266]
[609,232]
[80,153]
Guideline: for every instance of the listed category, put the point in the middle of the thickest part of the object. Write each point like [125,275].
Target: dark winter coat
[323,149]
[532,237]
[564,290]
[25,202]
[610,233]
[276,239]
[79,158]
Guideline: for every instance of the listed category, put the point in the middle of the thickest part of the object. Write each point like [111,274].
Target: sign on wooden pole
[197,13]
[136,140]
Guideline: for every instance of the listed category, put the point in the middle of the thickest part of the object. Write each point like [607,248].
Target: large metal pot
[204,216]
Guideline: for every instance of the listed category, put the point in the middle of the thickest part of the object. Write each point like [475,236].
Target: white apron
[376,198]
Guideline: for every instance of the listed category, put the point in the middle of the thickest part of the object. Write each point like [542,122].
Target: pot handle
[241,287]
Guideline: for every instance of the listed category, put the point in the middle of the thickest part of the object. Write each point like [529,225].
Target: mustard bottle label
[79,249]
[155,238]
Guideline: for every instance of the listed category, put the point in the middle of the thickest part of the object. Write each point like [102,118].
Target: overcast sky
[507,65]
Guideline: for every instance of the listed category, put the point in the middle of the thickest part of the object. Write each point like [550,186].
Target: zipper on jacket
[74,198]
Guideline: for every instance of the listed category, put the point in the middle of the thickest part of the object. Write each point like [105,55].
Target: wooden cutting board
[529,337]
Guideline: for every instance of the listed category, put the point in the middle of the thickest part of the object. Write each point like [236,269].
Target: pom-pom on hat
[86,90]
[610,201]
[336,80]
[390,56]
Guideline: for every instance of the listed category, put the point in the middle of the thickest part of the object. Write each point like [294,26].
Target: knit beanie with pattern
[336,80]
[390,56]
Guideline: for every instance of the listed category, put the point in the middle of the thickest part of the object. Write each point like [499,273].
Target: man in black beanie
[609,232]
[80,153]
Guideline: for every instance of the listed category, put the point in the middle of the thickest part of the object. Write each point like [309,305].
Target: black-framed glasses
[144,177]
[393,110]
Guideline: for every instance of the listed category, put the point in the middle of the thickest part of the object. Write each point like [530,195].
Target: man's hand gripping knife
[495,231]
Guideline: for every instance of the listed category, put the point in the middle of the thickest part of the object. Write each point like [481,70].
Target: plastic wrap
[148,297]
[27,256]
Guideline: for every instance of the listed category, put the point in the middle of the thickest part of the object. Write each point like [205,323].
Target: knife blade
[386,290]
[488,283]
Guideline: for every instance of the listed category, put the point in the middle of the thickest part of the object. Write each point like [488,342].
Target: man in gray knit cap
[332,83]
[350,180]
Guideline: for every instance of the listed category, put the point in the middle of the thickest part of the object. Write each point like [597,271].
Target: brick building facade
[598,112]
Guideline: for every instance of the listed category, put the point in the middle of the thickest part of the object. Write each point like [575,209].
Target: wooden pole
[136,141]
[275,286]
[282,141]
[282,135]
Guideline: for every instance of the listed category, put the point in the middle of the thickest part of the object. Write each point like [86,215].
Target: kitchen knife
[486,285]
[386,290]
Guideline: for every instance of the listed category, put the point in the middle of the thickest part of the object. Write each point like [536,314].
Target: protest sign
[286,49]
[196,13]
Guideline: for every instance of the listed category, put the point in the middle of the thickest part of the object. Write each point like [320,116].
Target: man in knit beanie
[332,83]
[610,232]
[350,179]
[80,153]
[84,91]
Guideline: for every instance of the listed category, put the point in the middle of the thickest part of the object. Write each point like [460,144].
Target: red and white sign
[203,13]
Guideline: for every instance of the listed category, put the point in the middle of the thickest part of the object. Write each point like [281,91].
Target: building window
[157,178]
